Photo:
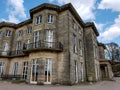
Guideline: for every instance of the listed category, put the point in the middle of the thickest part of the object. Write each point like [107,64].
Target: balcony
[43,46]
[4,53]
[11,53]
[16,53]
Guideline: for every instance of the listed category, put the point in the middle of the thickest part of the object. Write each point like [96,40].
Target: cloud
[113,31]
[99,26]
[15,10]
[84,7]
[110,4]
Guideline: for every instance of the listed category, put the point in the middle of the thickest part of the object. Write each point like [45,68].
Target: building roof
[91,24]
[101,44]
[7,24]
[58,9]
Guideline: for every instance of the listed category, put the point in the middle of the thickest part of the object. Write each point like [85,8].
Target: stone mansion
[54,46]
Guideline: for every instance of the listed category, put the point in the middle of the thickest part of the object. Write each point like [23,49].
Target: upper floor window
[38,19]
[50,18]
[79,30]
[0,34]
[49,38]
[74,44]
[5,46]
[7,33]
[37,36]
[73,24]
[19,45]
[80,47]
[20,33]
[28,44]
[29,30]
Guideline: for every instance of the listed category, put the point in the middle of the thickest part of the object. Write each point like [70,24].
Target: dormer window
[7,33]
[20,33]
[50,18]
[38,20]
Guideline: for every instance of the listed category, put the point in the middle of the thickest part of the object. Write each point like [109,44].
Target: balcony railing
[4,53]
[16,52]
[40,45]
[11,53]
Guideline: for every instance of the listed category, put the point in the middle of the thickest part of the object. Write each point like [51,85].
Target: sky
[104,13]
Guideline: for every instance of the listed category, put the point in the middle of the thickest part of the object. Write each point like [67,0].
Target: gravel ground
[102,85]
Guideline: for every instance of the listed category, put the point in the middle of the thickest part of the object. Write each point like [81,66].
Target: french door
[49,38]
[34,71]
[37,39]
[48,71]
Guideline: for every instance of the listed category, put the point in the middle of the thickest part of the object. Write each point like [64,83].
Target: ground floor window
[81,72]
[15,68]
[48,70]
[25,68]
[1,68]
[34,70]
[75,71]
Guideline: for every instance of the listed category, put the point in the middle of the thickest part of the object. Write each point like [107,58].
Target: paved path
[103,85]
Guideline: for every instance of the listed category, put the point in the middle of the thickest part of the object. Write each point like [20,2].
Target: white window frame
[38,20]
[19,45]
[29,30]
[28,44]
[75,71]
[2,64]
[49,38]
[74,43]
[15,69]
[34,68]
[48,69]
[37,38]
[7,33]
[5,47]
[20,33]
[50,18]
[25,68]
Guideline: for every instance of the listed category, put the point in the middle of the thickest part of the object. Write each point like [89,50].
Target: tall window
[18,46]
[73,24]
[20,33]
[28,44]
[81,72]
[2,68]
[29,30]
[15,68]
[75,72]
[0,34]
[34,70]
[50,18]
[74,44]
[37,38]
[48,70]
[25,68]
[80,47]
[5,47]
[38,19]
[49,38]
[7,33]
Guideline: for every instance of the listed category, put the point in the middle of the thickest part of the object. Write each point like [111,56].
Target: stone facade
[59,49]
[106,71]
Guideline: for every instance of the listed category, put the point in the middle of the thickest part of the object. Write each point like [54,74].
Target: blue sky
[104,13]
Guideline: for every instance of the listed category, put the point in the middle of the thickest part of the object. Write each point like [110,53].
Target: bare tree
[112,51]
